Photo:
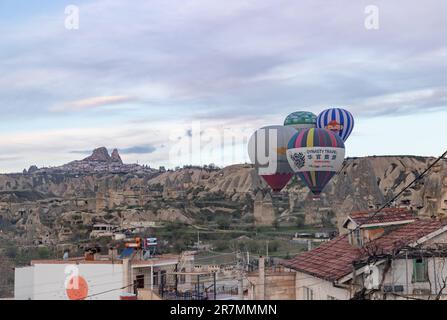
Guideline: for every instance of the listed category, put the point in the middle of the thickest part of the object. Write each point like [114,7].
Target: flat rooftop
[105,259]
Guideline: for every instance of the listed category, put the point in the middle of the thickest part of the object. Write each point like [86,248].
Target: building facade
[391,255]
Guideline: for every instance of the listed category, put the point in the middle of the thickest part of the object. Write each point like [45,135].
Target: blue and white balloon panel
[337,120]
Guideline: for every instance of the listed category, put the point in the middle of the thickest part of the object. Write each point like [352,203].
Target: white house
[92,277]
[391,255]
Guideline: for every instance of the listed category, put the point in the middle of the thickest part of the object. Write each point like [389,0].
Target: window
[308,294]
[139,282]
[358,237]
[182,276]
[420,270]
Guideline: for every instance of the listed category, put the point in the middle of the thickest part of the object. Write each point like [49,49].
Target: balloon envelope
[267,149]
[315,155]
[301,120]
[337,120]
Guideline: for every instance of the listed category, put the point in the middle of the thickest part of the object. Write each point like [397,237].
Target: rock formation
[115,157]
[264,211]
[98,162]
[99,154]
[102,193]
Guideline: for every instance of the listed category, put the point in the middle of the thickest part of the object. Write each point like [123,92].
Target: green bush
[11,252]
[43,253]
[300,221]
[223,222]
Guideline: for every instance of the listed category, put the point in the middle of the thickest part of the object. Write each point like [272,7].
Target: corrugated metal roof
[127,253]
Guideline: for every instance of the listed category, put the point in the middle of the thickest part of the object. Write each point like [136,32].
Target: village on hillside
[198,233]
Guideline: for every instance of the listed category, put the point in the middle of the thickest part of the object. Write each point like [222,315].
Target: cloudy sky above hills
[140,75]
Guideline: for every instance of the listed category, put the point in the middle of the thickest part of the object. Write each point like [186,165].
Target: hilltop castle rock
[102,155]
[115,157]
[98,162]
[99,154]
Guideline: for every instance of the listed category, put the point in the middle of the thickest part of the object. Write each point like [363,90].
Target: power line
[417,178]
[420,176]
[103,292]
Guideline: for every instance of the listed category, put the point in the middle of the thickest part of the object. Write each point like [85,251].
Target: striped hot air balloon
[315,155]
[337,120]
[301,120]
[267,149]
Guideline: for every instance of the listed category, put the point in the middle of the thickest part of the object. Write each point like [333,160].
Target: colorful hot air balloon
[301,120]
[315,155]
[267,149]
[337,120]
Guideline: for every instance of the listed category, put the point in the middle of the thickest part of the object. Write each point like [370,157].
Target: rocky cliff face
[115,157]
[364,183]
[49,207]
[99,154]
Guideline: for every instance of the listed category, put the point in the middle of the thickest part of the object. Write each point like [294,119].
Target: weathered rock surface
[115,157]
[53,206]
[99,154]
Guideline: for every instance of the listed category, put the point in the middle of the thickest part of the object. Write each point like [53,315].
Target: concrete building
[271,284]
[92,277]
[125,276]
[103,230]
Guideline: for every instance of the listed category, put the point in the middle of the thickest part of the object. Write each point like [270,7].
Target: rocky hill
[98,162]
[57,205]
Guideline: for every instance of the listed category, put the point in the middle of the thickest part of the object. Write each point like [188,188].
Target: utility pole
[215,286]
[406,272]
[240,289]
[267,249]
[198,286]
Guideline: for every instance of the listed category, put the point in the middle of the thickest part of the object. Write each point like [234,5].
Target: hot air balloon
[301,120]
[267,151]
[337,120]
[315,155]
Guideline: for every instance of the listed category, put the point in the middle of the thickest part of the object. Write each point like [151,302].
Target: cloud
[8,159]
[92,102]
[138,149]
[160,64]
[246,58]
[406,102]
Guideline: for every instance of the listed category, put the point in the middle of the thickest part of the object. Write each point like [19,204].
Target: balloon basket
[316,198]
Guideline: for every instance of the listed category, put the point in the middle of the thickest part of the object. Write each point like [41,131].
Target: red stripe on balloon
[333,139]
[298,140]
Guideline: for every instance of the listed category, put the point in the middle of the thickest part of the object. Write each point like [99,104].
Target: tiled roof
[386,215]
[331,260]
[407,234]
[334,259]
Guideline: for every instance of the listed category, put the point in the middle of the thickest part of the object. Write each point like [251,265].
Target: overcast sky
[136,74]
